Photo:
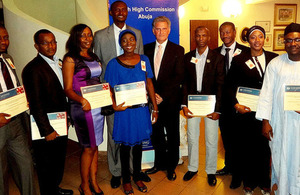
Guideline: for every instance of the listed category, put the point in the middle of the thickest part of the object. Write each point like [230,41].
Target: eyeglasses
[297,40]
[48,43]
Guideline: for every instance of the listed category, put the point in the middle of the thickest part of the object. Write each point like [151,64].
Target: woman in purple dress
[81,67]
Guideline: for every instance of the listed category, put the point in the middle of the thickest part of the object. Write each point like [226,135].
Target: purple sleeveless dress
[88,125]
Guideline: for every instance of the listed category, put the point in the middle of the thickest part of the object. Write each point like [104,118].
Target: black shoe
[189,175]
[94,191]
[224,171]
[235,182]
[115,182]
[152,170]
[211,179]
[145,177]
[61,191]
[171,176]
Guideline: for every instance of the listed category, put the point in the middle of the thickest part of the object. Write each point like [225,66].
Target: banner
[142,12]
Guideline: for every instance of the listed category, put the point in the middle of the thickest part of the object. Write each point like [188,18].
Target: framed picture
[278,41]
[265,24]
[284,14]
[268,40]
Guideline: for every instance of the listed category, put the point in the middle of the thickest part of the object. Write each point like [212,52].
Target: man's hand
[52,136]
[241,108]
[298,112]
[3,120]
[267,130]
[214,116]
[158,99]
[187,112]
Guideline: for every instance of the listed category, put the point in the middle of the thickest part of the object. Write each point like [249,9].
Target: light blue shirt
[200,67]
[55,67]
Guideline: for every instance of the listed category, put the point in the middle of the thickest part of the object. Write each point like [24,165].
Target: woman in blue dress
[132,125]
[81,67]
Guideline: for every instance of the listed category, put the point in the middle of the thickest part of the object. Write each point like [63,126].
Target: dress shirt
[117,31]
[13,78]
[54,65]
[200,67]
[231,52]
[163,47]
[262,61]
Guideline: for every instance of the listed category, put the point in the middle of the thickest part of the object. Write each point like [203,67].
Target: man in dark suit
[166,59]
[229,49]
[204,75]
[14,148]
[106,46]
[43,83]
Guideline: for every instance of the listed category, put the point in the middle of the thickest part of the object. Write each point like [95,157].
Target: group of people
[116,55]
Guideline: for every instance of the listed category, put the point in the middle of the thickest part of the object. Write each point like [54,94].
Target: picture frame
[268,40]
[278,40]
[284,14]
[265,24]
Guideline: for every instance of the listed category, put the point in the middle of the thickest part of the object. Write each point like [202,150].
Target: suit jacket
[241,75]
[105,46]
[44,93]
[171,73]
[213,77]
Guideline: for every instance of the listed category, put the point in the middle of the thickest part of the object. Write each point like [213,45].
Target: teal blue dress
[133,125]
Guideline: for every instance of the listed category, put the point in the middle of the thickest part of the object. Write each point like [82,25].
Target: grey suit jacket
[105,46]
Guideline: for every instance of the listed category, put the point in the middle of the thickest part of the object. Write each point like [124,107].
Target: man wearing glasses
[282,127]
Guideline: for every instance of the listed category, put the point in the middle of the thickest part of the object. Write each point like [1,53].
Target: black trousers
[50,161]
[136,162]
[166,146]
[251,151]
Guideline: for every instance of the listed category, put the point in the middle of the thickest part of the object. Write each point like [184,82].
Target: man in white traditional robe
[282,127]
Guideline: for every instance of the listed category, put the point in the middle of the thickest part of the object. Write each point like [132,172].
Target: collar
[163,44]
[48,60]
[232,46]
[116,28]
[204,54]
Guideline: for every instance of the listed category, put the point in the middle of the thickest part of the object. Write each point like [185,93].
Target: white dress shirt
[117,31]
[231,51]
[13,78]
[200,67]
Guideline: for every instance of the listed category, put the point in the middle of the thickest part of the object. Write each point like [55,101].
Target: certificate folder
[131,93]
[248,97]
[13,101]
[292,97]
[58,120]
[201,105]
[97,95]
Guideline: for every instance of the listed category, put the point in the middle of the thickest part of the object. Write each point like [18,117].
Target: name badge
[143,65]
[237,52]
[194,60]
[10,63]
[250,64]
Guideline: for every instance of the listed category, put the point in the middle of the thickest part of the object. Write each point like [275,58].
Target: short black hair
[114,3]
[227,24]
[37,35]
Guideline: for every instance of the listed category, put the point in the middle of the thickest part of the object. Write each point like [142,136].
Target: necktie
[6,75]
[157,60]
[259,65]
[226,59]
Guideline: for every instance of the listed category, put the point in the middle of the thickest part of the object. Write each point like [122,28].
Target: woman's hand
[241,108]
[85,105]
[120,107]
[187,113]
[154,117]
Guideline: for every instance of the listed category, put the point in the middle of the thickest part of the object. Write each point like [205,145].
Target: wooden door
[212,25]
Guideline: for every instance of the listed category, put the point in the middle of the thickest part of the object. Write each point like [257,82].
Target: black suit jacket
[213,77]
[171,73]
[241,75]
[44,93]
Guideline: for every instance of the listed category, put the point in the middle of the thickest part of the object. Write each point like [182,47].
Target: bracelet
[84,105]
[155,111]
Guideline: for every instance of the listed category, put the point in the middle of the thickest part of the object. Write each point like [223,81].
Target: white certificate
[13,101]
[292,97]
[131,93]
[201,105]
[58,120]
[248,97]
[97,95]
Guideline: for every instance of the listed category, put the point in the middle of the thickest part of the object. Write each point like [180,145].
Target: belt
[137,106]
